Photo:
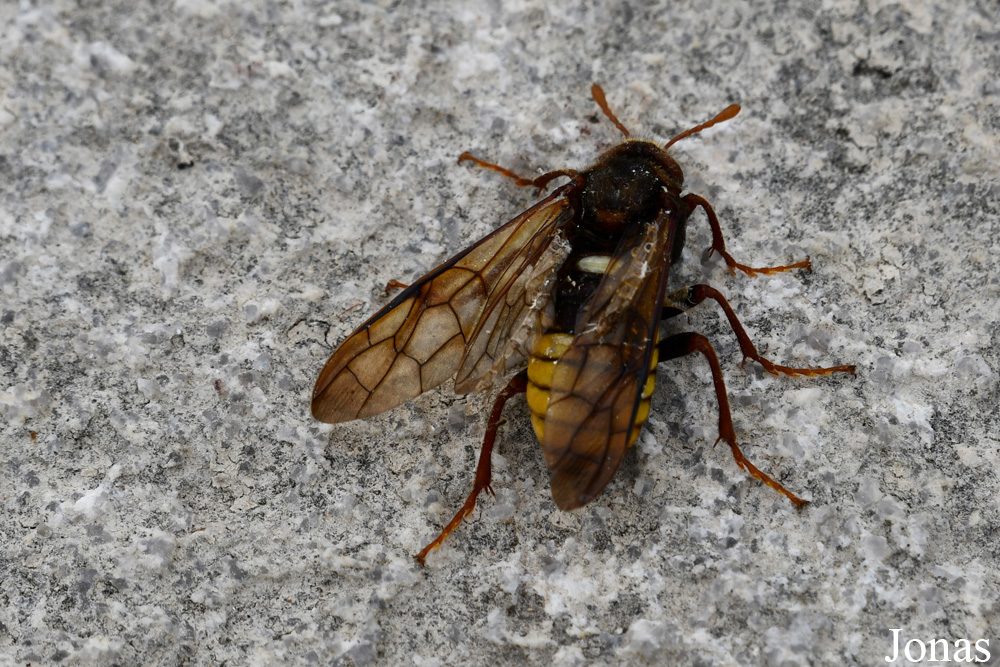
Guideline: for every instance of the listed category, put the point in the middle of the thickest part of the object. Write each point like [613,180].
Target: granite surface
[200,198]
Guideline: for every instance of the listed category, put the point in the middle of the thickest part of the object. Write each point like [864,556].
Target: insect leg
[683,344]
[539,181]
[688,297]
[719,244]
[394,284]
[517,385]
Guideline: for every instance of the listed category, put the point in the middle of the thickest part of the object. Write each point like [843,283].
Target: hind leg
[484,470]
[681,345]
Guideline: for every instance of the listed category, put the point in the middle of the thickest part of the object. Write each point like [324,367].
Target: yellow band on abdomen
[541,365]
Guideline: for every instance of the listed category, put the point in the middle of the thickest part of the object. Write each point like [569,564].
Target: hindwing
[597,383]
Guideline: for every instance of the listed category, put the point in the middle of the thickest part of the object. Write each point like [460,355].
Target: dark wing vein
[419,339]
[514,312]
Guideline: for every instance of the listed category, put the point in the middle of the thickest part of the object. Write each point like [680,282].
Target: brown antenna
[725,114]
[602,102]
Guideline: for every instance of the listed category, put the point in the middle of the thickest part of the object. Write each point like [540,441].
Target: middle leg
[688,297]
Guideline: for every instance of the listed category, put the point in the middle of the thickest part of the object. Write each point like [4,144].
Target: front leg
[719,244]
[539,182]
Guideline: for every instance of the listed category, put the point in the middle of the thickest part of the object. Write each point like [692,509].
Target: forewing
[517,310]
[418,340]
[597,384]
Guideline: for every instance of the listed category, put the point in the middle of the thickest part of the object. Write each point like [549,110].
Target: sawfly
[568,296]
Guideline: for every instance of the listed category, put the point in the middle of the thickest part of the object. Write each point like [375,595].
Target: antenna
[602,102]
[726,114]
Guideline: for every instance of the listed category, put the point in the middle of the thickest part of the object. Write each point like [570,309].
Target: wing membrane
[419,339]
[597,384]
[517,311]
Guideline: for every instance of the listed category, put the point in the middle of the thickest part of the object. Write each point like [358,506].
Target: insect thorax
[628,185]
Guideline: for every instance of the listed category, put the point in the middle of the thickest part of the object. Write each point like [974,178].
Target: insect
[569,296]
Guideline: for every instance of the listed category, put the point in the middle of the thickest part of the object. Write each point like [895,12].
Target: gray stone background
[199,198]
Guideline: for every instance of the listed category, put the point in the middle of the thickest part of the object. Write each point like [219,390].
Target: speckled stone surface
[198,199]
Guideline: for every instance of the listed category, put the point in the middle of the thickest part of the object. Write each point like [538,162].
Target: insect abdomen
[545,354]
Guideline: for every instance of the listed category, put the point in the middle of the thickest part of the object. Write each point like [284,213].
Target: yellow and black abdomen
[545,354]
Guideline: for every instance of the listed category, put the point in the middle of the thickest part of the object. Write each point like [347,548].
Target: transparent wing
[419,339]
[519,309]
[597,384]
